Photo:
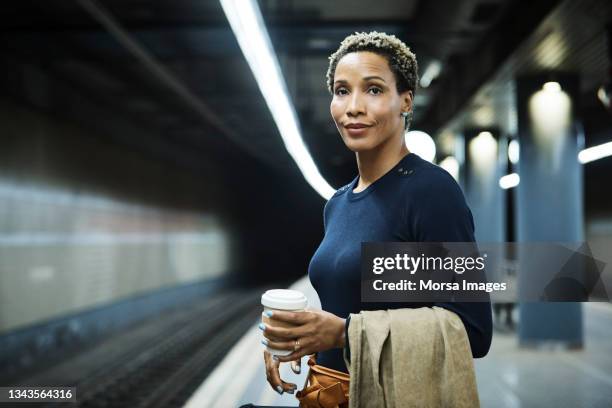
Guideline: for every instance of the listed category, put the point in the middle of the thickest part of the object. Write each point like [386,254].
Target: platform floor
[508,377]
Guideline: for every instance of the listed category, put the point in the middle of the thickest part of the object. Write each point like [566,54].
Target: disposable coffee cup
[281,299]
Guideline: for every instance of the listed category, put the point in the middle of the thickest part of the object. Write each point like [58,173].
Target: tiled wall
[85,223]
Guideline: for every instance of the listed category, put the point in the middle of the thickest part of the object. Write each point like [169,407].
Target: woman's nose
[355,106]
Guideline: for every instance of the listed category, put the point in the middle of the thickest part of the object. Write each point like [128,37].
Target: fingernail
[275,357]
[268,313]
[262,326]
[291,391]
[279,389]
[264,342]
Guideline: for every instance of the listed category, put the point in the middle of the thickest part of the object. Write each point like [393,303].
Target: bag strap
[330,372]
[316,396]
[330,397]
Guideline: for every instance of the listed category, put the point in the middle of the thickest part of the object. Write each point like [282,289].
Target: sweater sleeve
[441,214]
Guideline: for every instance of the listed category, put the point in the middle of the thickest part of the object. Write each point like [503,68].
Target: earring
[407,119]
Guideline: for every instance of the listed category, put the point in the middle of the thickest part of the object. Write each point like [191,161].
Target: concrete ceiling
[193,41]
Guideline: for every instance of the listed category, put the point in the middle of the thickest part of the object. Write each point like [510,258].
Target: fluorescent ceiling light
[422,144]
[552,87]
[451,165]
[509,181]
[595,153]
[603,96]
[513,151]
[250,31]
[482,151]
[431,72]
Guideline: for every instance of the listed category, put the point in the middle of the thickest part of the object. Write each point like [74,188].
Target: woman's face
[366,105]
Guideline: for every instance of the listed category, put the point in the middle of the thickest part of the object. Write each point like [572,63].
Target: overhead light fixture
[482,154]
[248,26]
[513,151]
[483,147]
[431,72]
[603,93]
[509,181]
[550,114]
[552,87]
[595,153]
[422,144]
[451,165]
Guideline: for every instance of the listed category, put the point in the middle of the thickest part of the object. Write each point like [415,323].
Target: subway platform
[508,377]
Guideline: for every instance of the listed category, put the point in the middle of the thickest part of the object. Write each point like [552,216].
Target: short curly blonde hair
[402,61]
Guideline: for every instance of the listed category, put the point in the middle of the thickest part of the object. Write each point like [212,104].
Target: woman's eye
[375,90]
[340,91]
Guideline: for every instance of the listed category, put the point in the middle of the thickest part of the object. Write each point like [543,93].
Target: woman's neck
[373,164]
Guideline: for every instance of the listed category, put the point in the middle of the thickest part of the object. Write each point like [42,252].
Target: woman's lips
[357,131]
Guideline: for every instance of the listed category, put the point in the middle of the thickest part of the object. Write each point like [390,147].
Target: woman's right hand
[273,374]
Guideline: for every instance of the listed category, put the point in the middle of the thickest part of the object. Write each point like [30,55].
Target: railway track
[161,363]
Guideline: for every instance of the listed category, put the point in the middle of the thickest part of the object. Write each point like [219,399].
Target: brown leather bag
[324,388]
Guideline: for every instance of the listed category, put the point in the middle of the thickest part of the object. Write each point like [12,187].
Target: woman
[396,196]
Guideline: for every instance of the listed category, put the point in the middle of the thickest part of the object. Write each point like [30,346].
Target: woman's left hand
[314,331]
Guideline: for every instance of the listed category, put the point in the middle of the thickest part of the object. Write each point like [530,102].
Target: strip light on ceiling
[509,181]
[584,156]
[247,23]
[431,72]
[595,153]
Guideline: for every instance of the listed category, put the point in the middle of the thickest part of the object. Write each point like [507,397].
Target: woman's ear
[406,101]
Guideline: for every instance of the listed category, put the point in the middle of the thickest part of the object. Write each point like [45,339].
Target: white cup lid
[284,299]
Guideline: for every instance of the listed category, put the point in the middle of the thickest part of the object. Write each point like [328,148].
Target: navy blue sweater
[415,201]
